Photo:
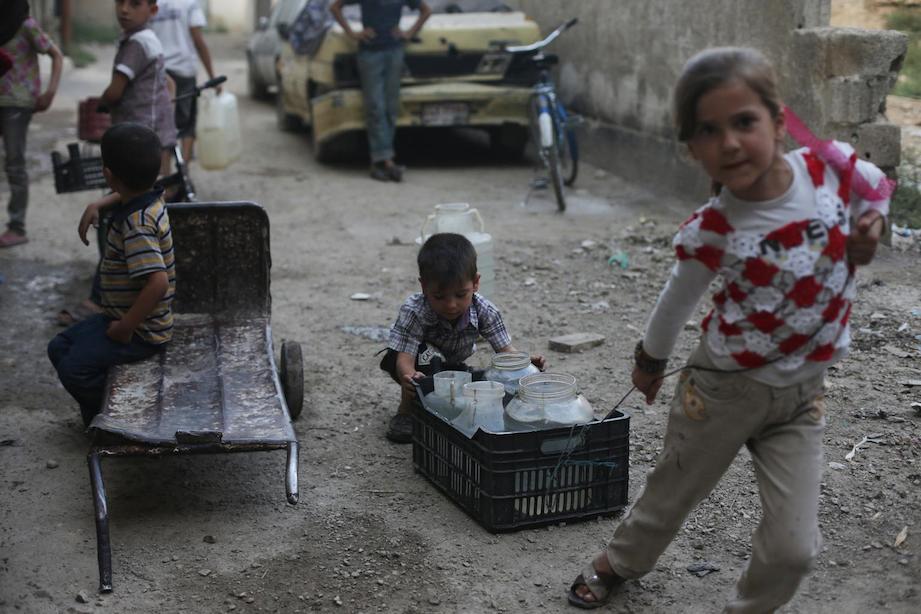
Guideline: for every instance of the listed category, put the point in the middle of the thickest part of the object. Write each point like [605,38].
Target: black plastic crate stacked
[78,173]
[511,481]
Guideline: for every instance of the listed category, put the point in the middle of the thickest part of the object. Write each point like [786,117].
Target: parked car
[264,47]
[456,74]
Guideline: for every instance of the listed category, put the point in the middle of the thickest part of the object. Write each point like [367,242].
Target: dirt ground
[214,534]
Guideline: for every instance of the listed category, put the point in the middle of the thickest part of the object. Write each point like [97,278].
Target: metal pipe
[103,548]
[291,481]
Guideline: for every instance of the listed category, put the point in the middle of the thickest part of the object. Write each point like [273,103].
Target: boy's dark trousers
[82,355]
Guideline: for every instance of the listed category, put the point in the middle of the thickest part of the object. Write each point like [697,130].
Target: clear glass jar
[509,367]
[551,398]
[483,408]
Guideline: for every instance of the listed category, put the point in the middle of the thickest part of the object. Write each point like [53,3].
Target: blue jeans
[14,124]
[380,72]
[82,355]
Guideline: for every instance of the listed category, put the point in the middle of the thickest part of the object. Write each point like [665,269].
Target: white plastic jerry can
[460,218]
[218,130]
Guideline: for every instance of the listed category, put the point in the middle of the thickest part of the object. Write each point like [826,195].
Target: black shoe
[396,172]
[400,429]
[379,172]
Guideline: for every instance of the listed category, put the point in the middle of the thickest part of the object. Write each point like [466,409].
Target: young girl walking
[783,233]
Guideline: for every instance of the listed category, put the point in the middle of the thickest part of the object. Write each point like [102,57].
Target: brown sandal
[599,584]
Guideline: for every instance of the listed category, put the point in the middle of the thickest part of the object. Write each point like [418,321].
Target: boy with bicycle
[140,90]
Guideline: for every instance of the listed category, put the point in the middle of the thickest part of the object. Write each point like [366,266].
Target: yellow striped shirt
[139,242]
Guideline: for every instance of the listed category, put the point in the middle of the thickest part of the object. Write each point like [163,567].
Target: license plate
[445,114]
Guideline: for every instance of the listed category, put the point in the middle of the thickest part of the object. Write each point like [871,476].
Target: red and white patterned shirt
[785,290]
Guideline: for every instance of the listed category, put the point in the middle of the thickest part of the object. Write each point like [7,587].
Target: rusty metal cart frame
[215,388]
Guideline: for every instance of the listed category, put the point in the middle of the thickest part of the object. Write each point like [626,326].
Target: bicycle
[552,128]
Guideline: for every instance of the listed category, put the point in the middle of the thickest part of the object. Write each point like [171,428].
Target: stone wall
[619,65]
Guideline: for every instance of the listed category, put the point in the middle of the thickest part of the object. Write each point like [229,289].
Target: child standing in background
[178,24]
[21,40]
[140,89]
[784,233]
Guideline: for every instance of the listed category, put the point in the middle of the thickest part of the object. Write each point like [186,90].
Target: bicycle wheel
[555,166]
[569,147]
[544,134]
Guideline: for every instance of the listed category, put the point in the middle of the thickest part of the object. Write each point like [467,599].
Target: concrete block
[842,52]
[576,342]
[855,100]
[880,143]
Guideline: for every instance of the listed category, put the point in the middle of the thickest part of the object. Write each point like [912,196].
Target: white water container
[483,409]
[460,218]
[218,130]
[447,399]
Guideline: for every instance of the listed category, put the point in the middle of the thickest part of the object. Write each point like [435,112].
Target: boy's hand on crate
[408,380]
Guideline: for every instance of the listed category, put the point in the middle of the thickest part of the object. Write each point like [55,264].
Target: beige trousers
[712,416]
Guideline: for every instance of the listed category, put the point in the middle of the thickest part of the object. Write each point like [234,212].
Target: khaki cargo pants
[712,416]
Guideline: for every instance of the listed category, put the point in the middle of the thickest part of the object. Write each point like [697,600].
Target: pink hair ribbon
[831,154]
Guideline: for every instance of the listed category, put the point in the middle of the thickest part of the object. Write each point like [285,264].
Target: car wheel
[286,122]
[257,89]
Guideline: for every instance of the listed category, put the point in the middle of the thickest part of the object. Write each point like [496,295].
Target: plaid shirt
[417,323]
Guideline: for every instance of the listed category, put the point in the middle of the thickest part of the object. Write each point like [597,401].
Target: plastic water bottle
[218,130]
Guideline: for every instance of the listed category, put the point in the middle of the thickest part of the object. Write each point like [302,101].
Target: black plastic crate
[512,481]
[78,173]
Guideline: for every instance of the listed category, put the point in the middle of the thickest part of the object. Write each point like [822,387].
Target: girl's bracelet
[646,363]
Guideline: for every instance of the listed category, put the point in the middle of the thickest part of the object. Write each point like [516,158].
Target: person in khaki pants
[783,233]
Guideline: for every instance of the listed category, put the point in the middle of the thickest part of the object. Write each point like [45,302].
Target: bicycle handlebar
[212,83]
[200,88]
[533,47]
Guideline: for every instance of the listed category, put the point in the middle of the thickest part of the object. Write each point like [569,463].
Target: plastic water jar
[460,218]
[218,130]
[483,408]
[447,399]
[550,398]
[509,367]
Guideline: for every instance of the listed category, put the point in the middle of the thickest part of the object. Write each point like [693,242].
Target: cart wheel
[291,372]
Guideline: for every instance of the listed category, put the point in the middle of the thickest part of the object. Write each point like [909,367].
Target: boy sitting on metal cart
[136,275]
[436,329]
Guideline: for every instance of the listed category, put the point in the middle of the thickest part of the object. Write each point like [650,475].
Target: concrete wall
[620,63]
